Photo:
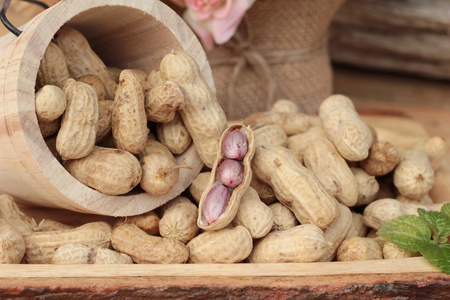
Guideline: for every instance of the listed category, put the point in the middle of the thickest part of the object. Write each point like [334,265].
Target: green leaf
[439,222]
[446,209]
[406,232]
[437,255]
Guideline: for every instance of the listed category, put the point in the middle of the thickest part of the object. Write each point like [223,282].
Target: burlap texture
[279,51]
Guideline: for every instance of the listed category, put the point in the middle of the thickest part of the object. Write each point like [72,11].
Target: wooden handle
[125,34]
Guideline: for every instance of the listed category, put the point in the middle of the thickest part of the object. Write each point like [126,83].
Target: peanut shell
[50,102]
[163,101]
[295,186]
[254,215]
[12,245]
[179,220]
[231,208]
[41,245]
[52,68]
[345,129]
[81,59]
[202,114]
[174,135]
[76,137]
[128,120]
[96,83]
[110,171]
[147,249]
[302,243]
[283,217]
[215,247]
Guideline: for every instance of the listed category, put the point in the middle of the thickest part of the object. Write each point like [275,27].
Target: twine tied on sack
[245,53]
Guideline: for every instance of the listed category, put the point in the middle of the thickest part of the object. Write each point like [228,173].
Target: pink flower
[215,21]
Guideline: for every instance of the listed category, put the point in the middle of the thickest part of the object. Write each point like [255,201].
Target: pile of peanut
[96,119]
[282,186]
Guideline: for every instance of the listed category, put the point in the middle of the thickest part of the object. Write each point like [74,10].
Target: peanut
[214,246]
[297,143]
[159,170]
[424,200]
[435,148]
[440,192]
[128,120]
[358,228]
[10,212]
[235,145]
[163,101]
[337,232]
[202,114]
[81,59]
[302,243]
[110,171]
[148,222]
[50,102]
[104,119]
[284,106]
[342,125]
[76,253]
[155,78]
[254,215]
[179,220]
[198,185]
[392,251]
[283,218]
[148,249]
[41,245]
[359,248]
[216,203]
[139,73]
[96,83]
[48,129]
[12,245]
[270,135]
[291,123]
[383,158]
[414,175]
[294,186]
[321,157]
[381,211]
[76,137]
[231,173]
[174,135]
[367,186]
[265,191]
[52,68]
[330,183]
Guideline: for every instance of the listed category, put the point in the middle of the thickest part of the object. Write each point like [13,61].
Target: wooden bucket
[125,34]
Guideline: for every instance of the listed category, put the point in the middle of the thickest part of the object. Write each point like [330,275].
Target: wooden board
[383,279]
[408,36]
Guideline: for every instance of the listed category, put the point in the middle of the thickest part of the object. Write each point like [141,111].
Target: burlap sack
[279,51]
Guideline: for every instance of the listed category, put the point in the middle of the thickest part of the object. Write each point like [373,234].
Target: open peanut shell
[232,206]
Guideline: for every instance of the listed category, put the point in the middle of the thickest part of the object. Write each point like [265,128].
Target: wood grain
[410,36]
[384,279]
